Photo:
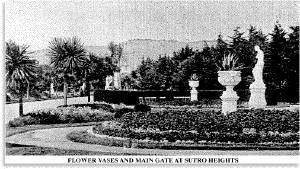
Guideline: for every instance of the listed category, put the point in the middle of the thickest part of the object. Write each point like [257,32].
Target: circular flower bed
[177,128]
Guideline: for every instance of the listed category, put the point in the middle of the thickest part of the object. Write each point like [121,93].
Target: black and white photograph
[151,82]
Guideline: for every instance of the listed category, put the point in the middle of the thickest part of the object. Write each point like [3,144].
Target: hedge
[102,106]
[132,97]
[61,115]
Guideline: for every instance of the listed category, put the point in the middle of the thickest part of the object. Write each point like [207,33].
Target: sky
[96,23]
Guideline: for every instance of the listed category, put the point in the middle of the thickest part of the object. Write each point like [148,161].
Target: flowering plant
[194,77]
[230,63]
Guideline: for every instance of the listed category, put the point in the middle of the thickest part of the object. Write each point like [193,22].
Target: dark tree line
[281,71]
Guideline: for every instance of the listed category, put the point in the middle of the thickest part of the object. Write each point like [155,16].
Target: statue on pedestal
[258,88]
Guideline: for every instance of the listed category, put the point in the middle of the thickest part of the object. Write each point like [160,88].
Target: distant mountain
[134,50]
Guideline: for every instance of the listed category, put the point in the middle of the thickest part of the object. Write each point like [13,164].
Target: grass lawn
[16,149]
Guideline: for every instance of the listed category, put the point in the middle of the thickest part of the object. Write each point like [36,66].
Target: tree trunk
[21,106]
[65,91]
[88,91]
[88,88]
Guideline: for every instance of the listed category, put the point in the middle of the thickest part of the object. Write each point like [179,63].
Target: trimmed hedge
[132,97]
[142,108]
[61,115]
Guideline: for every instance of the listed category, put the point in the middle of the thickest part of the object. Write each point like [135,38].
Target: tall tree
[20,69]
[147,76]
[67,54]
[116,55]
[292,74]
[275,67]
[165,68]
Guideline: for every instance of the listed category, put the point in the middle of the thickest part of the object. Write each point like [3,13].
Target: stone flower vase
[229,79]
[194,93]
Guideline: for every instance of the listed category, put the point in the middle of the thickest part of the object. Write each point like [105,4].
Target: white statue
[258,88]
[258,69]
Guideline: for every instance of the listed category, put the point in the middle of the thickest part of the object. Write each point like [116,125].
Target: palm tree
[87,69]
[20,70]
[67,54]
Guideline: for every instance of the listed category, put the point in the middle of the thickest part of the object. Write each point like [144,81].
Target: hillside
[134,50]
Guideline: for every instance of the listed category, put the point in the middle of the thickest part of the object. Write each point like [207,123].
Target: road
[12,110]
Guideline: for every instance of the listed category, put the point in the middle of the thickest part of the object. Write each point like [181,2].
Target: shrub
[142,108]
[119,112]
[187,119]
[105,107]
[62,115]
[173,136]
[17,122]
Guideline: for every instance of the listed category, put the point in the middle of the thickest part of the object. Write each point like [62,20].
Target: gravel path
[12,110]
[56,138]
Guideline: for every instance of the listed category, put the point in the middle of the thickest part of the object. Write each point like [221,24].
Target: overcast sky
[98,23]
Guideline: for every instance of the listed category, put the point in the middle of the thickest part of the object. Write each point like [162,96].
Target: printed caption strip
[151,160]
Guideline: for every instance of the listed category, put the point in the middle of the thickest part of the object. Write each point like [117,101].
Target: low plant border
[90,137]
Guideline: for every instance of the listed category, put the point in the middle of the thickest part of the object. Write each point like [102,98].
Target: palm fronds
[20,69]
[67,54]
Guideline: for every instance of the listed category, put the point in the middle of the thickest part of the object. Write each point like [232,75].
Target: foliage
[20,69]
[187,119]
[191,137]
[279,126]
[67,55]
[147,77]
[281,71]
[61,115]
[116,51]
[120,112]
[282,63]
[230,63]
[142,108]
[102,106]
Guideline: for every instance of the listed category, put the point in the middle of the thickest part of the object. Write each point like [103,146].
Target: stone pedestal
[117,81]
[229,79]
[257,98]
[194,92]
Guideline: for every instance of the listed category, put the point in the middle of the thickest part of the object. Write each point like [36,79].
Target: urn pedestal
[194,93]
[229,79]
